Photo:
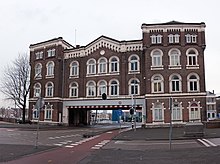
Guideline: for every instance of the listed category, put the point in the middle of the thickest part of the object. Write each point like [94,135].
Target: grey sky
[25,22]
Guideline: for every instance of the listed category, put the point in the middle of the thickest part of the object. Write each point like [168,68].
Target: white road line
[206,142]
[58,144]
[209,142]
[95,147]
[69,146]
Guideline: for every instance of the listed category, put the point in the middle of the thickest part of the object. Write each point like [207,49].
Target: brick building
[166,64]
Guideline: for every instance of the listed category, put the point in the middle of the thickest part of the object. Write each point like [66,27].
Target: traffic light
[131,111]
[104,96]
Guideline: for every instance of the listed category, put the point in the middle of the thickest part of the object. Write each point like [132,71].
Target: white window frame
[158,83]
[193,84]
[157,57]
[177,111]
[37,90]
[91,67]
[175,83]
[50,68]
[48,110]
[49,89]
[158,112]
[73,89]
[114,87]
[102,65]
[114,65]
[74,68]
[174,57]
[194,112]
[35,113]
[134,64]
[134,86]
[102,87]
[38,70]
[91,89]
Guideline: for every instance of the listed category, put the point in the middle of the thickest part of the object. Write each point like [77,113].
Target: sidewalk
[163,134]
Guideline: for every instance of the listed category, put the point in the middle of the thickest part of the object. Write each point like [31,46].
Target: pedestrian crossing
[206,142]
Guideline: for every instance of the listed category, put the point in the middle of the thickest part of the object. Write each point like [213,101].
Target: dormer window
[191,38]
[51,52]
[156,39]
[174,38]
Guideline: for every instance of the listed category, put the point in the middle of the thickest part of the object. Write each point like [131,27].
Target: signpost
[39,105]
[170,133]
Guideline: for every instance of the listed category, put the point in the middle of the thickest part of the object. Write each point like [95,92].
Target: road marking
[69,146]
[206,142]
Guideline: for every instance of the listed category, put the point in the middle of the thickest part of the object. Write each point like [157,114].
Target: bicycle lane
[69,154]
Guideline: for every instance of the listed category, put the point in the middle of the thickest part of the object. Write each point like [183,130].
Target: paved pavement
[118,156]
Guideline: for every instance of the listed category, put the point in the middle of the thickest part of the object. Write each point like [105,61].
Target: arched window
[134,63]
[37,90]
[175,83]
[91,89]
[156,58]
[49,89]
[102,87]
[114,88]
[91,66]
[73,89]
[50,68]
[174,57]
[74,68]
[157,84]
[176,111]
[38,70]
[192,57]
[193,83]
[102,65]
[158,112]
[48,111]
[194,112]
[134,87]
[114,64]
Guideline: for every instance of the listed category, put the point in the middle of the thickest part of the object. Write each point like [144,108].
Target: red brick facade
[167,62]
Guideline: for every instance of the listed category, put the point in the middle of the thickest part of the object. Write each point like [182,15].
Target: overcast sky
[25,22]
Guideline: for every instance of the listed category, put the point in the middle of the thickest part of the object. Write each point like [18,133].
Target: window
[194,112]
[114,64]
[50,68]
[173,38]
[158,113]
[156,58]
[51,53]
[133,63]
[193,83]
[102,65]
[49,89]
[175,83]
[39,55]
[91,89]
[156,39]
[102,87]
[38,70]
[134,87]
[73,89]
[157,84]
[91,66]
[176,112]
[35,113]
[48,112]
[74,68]
[174,57]
[191,38]
[37,90]
[114,88]
[192,57]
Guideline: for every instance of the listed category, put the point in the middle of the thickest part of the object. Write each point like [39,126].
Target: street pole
[170,133]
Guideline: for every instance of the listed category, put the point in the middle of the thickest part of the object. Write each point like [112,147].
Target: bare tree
[15,84]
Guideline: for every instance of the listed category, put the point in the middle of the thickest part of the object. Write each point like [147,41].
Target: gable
[103,41]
